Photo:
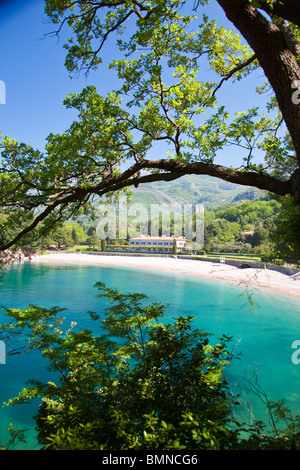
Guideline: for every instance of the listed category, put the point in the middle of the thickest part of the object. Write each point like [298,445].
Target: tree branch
[234,71]
[286,9]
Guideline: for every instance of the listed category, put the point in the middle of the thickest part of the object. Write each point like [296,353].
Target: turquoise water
[264,336]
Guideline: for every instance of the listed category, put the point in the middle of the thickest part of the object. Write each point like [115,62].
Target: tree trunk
[278,62]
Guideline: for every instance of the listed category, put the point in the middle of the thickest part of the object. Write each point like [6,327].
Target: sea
[264,326]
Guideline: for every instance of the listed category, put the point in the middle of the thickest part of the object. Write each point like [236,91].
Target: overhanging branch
[169,170]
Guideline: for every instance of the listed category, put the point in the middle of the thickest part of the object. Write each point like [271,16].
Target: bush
[141,384]
[267,257]
[278,262]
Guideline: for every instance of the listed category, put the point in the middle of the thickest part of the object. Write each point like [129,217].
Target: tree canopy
[173,62]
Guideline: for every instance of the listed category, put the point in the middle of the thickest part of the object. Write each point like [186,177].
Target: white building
[156,242]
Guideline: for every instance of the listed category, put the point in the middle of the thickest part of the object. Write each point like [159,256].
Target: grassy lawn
[228,256]
[233,256]
[78,248]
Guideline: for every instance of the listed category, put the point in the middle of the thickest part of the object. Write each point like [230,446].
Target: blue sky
[37,81]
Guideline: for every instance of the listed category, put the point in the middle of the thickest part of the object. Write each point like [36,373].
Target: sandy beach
[252,278]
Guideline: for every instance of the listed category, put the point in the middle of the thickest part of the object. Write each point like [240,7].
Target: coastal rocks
[23,254]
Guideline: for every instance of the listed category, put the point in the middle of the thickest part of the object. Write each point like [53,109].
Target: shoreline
[273,281]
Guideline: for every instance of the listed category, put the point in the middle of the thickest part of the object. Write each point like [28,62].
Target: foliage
[93,240]
[141,383]
[66,234]
[224,227]
[16,435]
[286,236]
[250,213]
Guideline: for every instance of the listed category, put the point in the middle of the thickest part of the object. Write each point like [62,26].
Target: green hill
[194,189]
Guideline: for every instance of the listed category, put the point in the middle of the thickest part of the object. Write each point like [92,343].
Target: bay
[264,336]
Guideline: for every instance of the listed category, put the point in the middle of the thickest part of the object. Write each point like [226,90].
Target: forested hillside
[199,189]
